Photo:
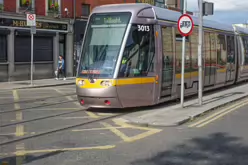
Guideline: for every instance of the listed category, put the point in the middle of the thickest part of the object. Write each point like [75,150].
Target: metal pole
[74,9]
[200,3]
[183,60]
[32,57]
[74,35]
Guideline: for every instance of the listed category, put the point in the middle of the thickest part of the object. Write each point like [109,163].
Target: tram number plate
[143,28]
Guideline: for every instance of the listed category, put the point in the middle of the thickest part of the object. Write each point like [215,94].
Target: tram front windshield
[102,44]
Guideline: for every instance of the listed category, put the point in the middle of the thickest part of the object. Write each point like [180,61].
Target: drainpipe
[74,35]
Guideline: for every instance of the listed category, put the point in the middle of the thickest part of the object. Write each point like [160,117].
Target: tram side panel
[190,72]
[136,79]
[167,67]
[240,52]
[243,39]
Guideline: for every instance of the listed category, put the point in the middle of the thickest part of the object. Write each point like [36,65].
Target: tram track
[65,128]
[41,118]
[38,106]
[37,99]
[90,120]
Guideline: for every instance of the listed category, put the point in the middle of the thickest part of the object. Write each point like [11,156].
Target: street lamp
[205,9]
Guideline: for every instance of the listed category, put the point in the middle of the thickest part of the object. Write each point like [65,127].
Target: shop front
[52,38]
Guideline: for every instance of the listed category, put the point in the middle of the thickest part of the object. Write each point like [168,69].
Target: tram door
[167,62]
[210,58]
[230,75]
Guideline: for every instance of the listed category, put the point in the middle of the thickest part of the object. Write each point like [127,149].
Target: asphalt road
[39,117]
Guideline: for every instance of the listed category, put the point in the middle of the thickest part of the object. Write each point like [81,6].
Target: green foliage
[53,7]
[24,2]
[1,7]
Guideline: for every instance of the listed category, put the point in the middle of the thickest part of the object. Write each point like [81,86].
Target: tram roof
[161,14]
[241,30]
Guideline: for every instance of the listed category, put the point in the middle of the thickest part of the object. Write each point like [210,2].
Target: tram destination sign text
[39,25]
[122,18]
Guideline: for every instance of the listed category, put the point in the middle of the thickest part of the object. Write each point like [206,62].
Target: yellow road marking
[64,149]
[92,115]
[219,114]
[116,132]
[63,118]
[149,131]
[19,128]
[95,129]
[122,122]
[107,114]
[66,118]
[56,109]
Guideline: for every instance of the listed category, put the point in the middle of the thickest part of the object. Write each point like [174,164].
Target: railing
[53,13]
[26,9]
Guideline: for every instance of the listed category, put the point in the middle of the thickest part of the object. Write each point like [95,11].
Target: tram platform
[174,115]
[36,83]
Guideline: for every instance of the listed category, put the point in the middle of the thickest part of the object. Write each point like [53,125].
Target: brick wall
[93,3]
[67,4]
[10,5]
[40,7]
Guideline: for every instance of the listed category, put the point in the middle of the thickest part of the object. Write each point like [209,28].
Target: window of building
[25,3]
[3,48]
[53,5]
[138,56]
[1,5]
[85,10]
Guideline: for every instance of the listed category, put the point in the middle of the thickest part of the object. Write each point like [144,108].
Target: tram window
[138,56]
[230,49]
[167,36]
[206,48]
[103,40]
[245,42]
[221,50]
[179,37]
[179,55]
[213,49]
[194,50]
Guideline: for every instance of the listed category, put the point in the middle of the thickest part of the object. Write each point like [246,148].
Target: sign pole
[31,21]
[200,4]
[32,57]
[183,61]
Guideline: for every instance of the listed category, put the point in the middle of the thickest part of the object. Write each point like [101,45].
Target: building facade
[60,30]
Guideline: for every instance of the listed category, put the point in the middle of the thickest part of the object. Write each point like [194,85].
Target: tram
[131,57]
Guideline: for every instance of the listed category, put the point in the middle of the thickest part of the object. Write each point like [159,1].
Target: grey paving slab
[36,83]
[175,115]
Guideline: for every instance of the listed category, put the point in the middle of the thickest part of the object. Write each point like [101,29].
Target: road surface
[47,126]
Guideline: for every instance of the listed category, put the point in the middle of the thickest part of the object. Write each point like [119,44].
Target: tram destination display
[117,18]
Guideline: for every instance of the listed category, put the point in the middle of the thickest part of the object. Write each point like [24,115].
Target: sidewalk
[36,83]
[175,115]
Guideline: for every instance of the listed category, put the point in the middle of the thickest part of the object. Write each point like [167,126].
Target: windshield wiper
[90,77]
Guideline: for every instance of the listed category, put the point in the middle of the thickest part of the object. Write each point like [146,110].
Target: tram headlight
[81,82]
[106,83]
